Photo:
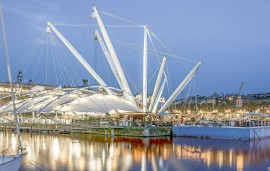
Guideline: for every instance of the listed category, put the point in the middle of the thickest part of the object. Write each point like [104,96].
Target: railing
[230,124]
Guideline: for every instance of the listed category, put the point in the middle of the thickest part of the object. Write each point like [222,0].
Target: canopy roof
[75,101]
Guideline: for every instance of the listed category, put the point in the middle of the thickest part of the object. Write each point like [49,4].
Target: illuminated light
[92,164]
[137,157]
[76,149]
[13,141]
[153,162]
[208,158]
[55,148]
[81,163]
[91,151]
[239,162]
[127,161]
[29,151]
[109,164]
[220,158]
[98,165]
[44,146]
[111,151]
[143,168]
[230,158]
[178,152]
[103,156]
[165,154]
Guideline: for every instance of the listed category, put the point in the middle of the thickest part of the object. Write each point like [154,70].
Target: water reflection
[89,152]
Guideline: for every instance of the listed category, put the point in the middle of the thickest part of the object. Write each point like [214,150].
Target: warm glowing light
[13,142]
[76,149]
[240,162]
[55,148]
[220,158]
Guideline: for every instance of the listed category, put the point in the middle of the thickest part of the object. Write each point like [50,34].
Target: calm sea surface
[89,152]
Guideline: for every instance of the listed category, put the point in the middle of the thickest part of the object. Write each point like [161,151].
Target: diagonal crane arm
[107,40]
[240,89]
[109,58]
[181,86]
[79,57]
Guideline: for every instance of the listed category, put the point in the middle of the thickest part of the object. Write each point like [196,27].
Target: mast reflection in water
[89,152]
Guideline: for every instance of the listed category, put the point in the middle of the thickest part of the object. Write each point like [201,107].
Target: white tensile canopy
[75,101]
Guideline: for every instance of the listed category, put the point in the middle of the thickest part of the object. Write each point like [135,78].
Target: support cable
[29,61]
[57,57]
[76,75]
[39,56]
[54,63]
[152,51]
[61,61]
[131,80]
[94,25]
[27,54]
[120,18]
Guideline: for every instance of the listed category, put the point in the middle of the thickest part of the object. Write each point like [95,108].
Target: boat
[11,162]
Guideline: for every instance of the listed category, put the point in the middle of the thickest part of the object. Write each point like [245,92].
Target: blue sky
[231,38]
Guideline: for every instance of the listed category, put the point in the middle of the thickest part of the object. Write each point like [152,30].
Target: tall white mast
[79,57]
[127,91]
[144,95]
[109,59]
[10,83]
[180,88]
[159,95]
[159,77]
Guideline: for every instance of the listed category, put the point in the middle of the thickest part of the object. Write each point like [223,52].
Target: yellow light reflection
[13,142]
[220,159]
[240,162]
[55,148]
[76,149]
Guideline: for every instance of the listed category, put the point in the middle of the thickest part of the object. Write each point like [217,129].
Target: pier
[98,130]
[244,133]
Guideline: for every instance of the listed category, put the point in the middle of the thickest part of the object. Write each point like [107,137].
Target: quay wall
[222,132]
[99,130]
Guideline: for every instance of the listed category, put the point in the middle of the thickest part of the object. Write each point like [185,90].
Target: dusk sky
[231,38]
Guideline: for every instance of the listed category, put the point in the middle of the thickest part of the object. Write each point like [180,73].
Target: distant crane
[238,97]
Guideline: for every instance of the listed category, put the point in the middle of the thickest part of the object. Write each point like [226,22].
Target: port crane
[238,96]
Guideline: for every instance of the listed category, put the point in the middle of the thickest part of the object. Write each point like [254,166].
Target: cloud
[35,13]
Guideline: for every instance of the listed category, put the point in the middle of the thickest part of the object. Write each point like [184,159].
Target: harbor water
[91,152]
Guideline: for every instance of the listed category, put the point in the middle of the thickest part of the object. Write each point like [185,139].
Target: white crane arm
[181,86]
[79,57]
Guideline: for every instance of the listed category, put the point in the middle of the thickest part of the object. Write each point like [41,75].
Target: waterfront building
[20,77]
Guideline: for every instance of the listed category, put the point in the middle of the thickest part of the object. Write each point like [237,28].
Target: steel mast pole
[109,58]
[144,95]
[127,91]
[159,95]
[180,88]
[158,81]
